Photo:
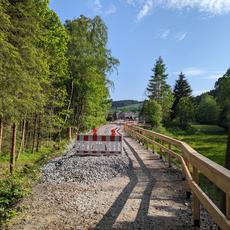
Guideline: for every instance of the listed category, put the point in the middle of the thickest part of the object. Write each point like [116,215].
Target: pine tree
[157,83]
[158,89]
[181,89]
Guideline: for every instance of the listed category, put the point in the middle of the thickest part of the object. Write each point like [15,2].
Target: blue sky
[192,36]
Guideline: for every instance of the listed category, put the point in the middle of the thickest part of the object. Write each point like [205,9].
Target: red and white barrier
[98,144]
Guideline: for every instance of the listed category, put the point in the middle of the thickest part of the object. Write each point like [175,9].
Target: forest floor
[150,196]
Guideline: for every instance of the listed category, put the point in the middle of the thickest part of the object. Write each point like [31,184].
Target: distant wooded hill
[126,106]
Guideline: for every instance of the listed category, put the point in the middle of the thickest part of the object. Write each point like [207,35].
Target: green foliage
[11,190]
[89,62]
[185,112]
[208,110]
[127,107]
[159,90]
[152,113]
[181,89]
[123,103]
[222,88]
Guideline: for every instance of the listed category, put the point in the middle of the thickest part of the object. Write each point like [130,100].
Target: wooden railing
[193,164]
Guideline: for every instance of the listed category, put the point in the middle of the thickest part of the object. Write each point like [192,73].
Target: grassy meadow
[208,140]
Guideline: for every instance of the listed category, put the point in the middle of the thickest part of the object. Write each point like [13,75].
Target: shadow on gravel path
[164,214]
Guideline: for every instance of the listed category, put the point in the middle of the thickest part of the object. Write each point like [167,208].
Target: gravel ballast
[85,169]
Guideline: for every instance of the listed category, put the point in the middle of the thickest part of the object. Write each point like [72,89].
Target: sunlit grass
[208,140]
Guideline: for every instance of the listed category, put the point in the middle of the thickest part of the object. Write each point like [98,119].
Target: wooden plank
[169,156]
[195,200]
[214,211]
[228,207]
[213,171]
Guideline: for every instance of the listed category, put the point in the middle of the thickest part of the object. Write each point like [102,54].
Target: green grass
[208,140]
[27,170]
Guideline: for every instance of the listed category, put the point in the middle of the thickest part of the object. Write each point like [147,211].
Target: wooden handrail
[192,163]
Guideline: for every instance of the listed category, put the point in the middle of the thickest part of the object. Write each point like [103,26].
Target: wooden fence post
[195,200]
[161,142]
[153,144]
[228,206]
[169,156]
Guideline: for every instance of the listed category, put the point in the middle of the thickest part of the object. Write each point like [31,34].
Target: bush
[185,112]
[11,190]
[152,113]
[208,110]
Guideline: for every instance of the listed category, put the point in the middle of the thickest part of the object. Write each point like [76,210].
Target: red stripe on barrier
[86,138]
[112,138]
[78,137]
[103,138]
[94,137]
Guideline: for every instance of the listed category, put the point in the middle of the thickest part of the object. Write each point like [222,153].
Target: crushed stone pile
[85,169]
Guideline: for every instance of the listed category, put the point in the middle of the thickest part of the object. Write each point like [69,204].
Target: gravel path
[135,190]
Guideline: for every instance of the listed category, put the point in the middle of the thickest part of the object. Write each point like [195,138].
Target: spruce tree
[158,89]
[157,83]
[181,89]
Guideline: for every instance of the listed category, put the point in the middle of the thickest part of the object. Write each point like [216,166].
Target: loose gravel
[86,170]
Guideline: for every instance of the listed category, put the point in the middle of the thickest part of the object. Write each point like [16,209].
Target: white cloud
[112,9]
[192,71]
[209,6]
[180,36]
[145,10]
[164,34]
[213,76]
[212,7]
[96,5]
[199,92]
[131,2]
[201,73]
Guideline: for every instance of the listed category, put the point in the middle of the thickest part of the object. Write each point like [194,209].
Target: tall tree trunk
[27,135]
[1,133]
[227,165]
[38,134]
[22,140]
[69,133]
[13,148]
[34,133]
[227,155]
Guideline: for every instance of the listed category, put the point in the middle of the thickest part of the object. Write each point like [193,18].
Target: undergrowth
[27,170]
